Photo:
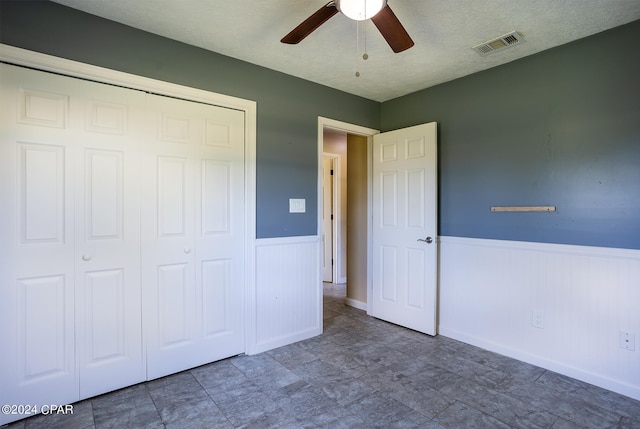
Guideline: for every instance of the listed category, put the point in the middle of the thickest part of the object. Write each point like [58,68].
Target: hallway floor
[360,373]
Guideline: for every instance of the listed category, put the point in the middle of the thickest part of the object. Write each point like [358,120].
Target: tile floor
[361,373]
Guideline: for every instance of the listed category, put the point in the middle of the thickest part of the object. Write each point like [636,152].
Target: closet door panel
[110,130]
[221,231]
[168,235]
[37,289]
[194,212]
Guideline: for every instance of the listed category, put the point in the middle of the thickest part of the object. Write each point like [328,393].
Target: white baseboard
[284,340]
[617,386]
[356,304]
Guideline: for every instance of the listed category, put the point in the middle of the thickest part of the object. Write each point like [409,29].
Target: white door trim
[360,131]
[36,60]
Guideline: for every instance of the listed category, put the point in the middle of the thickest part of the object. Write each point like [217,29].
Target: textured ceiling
[443,30]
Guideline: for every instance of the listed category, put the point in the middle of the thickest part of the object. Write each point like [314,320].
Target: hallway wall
[357,206]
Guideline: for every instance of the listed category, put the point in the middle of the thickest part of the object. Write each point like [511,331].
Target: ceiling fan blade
[310,24]
[392,30]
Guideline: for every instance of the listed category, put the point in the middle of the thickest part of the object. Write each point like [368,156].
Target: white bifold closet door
[121,236]
[193,234]
[70,289]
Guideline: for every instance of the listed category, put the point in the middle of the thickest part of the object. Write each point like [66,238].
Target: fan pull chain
[365,56]
[357,46]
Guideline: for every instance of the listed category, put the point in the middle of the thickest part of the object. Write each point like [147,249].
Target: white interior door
[327,219]
[193,235]
[404,272]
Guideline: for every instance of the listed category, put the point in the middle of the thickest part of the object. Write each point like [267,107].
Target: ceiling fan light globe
[360,10]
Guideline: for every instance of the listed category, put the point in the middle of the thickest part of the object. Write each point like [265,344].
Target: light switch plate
[297,205]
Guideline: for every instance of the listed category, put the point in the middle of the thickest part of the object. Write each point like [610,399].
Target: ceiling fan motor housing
[360,10]
[377,10]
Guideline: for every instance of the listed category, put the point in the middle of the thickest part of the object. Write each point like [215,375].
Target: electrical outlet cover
[627,341]
[537,319]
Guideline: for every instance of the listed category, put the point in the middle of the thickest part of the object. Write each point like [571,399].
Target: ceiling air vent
[499,43]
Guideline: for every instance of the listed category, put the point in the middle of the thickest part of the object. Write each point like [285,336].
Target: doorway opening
[345,149]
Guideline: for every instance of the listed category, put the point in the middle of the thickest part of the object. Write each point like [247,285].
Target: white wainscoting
[288,291]
[489,290]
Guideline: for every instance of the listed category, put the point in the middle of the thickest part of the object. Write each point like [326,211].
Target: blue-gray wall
[288,107]
[559,128]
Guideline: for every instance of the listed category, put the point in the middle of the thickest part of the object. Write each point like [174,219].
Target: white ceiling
[443,30]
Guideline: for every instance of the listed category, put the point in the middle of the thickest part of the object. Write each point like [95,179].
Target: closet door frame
[36,60]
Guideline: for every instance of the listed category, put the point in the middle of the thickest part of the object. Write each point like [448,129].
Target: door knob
[187,250]
[86,258]
[426,240]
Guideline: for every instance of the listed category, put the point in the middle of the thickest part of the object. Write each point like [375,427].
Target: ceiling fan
[377,10]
